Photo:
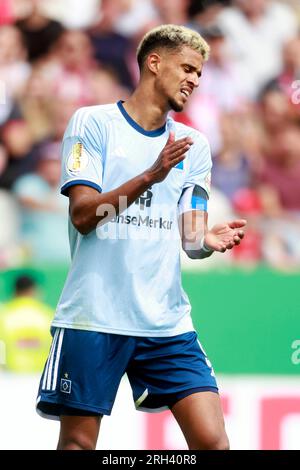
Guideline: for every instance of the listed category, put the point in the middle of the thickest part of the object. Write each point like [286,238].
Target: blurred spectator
[280,193]
[289,77]
[44,209]
[36,104]
[106,87]
[62,110]
[134,17]
[257,31]
[231,166]
[10,252]
[247,205]
[39,32]
[14,70]
[220,80]
[71,67]
[291,65]
[73,13]
[281,246]
[11,10]
[24,328]
[22,158]
[274,114]
[275,109]
[175,12]
[205,12]
[112,49]
[281,172]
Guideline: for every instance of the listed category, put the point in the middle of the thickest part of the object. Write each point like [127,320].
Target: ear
[153,62]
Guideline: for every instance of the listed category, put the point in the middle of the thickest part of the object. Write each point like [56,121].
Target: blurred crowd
[58,55]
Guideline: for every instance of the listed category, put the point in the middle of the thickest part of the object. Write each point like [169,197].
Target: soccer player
[137,183]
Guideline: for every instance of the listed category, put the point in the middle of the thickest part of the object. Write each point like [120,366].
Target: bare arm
[88,207]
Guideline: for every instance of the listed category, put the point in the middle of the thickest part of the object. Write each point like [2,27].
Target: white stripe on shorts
[49,374]
[60,340]
[142,397]
[48,360]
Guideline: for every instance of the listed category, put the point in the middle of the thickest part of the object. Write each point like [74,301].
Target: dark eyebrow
[194,69]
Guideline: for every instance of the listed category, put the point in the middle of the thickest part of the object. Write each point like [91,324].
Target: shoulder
[92,116]
[103,111]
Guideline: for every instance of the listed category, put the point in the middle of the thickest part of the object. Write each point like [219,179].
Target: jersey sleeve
[82,152]
[196,189]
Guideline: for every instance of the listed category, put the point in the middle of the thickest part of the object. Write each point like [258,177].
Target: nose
[194,80]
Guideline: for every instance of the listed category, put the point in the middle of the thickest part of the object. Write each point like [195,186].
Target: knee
[76,442]
[221,444]
[212,442]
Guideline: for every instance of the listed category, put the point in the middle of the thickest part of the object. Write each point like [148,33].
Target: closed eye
[191,69]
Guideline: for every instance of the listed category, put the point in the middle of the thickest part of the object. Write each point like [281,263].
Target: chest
[129,153]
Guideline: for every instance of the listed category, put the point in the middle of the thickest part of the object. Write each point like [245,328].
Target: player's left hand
[222,237]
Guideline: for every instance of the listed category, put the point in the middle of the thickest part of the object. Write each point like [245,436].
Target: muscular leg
[78,432]
[201,420]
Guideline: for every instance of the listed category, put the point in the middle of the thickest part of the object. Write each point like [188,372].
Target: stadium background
[58,55]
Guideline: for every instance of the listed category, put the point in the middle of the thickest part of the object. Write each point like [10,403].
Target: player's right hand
[172,154]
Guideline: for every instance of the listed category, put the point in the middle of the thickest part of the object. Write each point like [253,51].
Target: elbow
[80,222]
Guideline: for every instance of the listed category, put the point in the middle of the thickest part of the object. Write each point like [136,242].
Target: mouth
[185,93]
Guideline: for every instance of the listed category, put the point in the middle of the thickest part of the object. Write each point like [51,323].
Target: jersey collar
[136,126]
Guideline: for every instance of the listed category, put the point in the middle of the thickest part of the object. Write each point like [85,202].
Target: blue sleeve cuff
[65,188]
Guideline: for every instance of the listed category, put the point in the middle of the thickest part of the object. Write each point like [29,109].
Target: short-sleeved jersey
[125,275]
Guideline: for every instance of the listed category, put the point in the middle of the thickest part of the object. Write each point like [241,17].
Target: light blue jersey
[125,275]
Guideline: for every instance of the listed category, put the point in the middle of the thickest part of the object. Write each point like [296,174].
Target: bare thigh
[200,418]
[78,432]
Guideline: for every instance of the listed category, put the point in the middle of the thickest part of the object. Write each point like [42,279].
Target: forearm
[200,252]
[98,208]
[193,228]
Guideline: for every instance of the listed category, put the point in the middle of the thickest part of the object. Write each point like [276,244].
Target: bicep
[81,196]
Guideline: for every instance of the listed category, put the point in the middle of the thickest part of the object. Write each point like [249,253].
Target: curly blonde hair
[172,37]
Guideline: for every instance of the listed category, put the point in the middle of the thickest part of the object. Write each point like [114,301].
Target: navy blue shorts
[84,370]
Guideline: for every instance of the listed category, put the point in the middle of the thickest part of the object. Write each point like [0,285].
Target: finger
[221,248]
[236,240]
[230,245]
[237,223]
[179,152]
[179,143]
[177,160]
[171,138]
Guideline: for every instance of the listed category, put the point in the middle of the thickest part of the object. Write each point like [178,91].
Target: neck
[36,20]
[145,107]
